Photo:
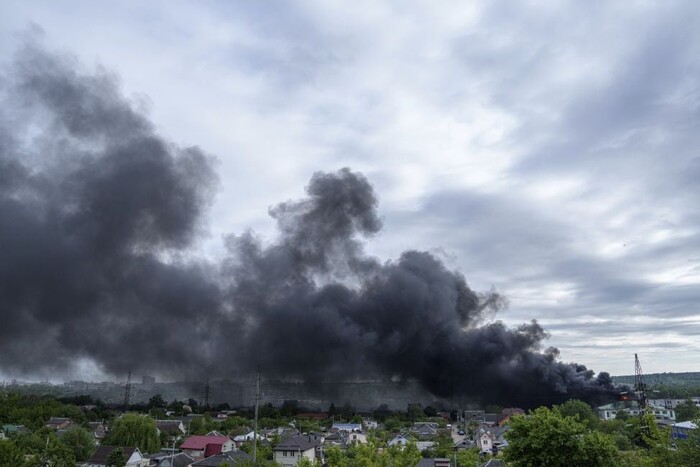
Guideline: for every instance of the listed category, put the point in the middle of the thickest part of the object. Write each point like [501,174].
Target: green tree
[548,439]
[116,458]
[10,454]
[135,430]
[580,410]
[415,412]
[688,451]
[687,411]
[444,446]
[306,462]
[80,441]
[157,401]
[54,455]
[468,457]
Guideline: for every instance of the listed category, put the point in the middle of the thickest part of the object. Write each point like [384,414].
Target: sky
[546,150]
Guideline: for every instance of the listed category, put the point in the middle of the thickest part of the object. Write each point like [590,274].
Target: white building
[485,440]
[133,457]
[610,411]
[288,453]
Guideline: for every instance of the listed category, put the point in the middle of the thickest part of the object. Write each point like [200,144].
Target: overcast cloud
[548,150]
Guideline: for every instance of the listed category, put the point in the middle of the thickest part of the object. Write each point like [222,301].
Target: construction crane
[640,387]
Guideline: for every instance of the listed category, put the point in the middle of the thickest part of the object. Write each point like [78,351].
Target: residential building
[609,411]
[398,440]
[347,427]
[173,428]
[425,445]
[357,437]
[179,459]
[240,440]
[494,463]
[485,440]
[425,430]
[133,456]
[59,423]
[288,453]
[229,458]
[464,444]
[673,403]
[682,430]
[98,431]
[437,462]
[200,447]
[369,423]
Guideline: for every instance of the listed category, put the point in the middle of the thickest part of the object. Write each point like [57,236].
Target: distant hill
[667,379]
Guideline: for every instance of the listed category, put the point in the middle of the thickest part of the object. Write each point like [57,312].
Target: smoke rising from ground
[97,212]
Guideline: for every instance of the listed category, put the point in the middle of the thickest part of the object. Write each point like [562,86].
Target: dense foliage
[135,430]
[546,438]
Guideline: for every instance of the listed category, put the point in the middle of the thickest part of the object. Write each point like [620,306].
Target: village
[84,432]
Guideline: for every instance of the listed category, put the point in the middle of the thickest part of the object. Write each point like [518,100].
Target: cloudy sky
[546,150]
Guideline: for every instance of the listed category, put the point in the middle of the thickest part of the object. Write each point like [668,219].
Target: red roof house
[205,446]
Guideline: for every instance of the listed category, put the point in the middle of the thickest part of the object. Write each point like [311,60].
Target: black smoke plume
[97,217]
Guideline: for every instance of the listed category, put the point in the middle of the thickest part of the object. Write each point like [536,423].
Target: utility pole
[127,392]
[255,424]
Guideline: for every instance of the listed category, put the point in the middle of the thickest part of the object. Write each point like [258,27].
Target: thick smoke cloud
[96,216]
[94,209]
[314,306]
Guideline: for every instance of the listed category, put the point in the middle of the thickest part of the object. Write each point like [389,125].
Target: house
[509,412]
[199,447]
[173,428]
[369,423]
[494,463]
[464,444]
[357,437]
[485,440]
[98,431]
[399,440]
[288,453]
[347,426]
[682,430]
[12,429]
[425,445]
[59,423]
[437,462]
[240,440]
[171,460]
[336,438]
[225,459]
[282,433]
[425,430]
[133,456]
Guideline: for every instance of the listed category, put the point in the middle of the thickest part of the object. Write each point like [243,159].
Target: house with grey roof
[171,460]
[288,453]
[436,462]
[229,458]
